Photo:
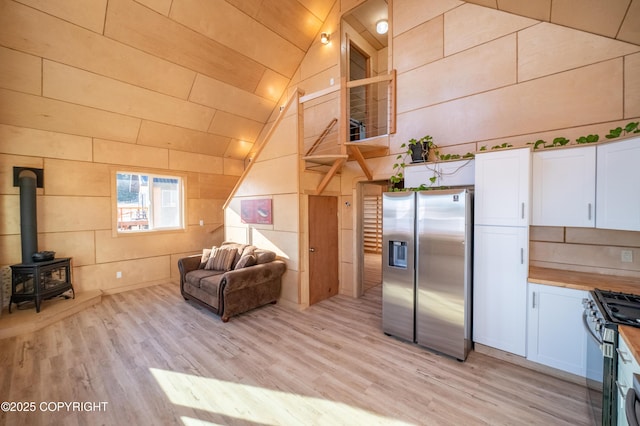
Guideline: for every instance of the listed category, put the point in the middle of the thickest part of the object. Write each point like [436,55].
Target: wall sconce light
[325,38]
[382,26]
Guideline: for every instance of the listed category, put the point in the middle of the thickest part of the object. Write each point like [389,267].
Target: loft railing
[371,107]
[322,136]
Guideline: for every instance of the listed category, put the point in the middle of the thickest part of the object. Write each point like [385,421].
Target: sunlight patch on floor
[259,405]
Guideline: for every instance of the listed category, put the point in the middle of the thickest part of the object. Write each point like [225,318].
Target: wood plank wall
[172,86]
[473,76]
[585,249]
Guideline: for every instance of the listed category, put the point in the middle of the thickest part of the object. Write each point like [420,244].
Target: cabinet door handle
[522,210]
[533,304]
[622,357]
[589,210]
[522,256]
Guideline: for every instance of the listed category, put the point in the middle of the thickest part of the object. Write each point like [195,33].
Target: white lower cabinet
[500,287]
[555,334]
[627,365]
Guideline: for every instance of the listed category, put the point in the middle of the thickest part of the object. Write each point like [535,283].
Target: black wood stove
[40,276]
[40,281]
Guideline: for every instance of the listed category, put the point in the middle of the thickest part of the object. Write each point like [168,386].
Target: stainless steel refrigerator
[427,268]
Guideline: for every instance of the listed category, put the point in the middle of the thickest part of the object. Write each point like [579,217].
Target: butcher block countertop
[583,280]
[588,281]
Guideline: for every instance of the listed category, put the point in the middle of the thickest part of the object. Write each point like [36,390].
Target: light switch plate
[626,256]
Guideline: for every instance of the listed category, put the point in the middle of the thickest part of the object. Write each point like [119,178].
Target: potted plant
[418,150]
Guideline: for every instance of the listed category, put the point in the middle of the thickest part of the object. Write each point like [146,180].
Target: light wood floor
[156,359]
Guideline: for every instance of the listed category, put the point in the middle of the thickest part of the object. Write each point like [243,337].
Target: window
[149,202]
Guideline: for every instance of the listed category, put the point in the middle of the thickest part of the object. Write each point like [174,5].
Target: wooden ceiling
[204,75]
[245,52]
[618,19]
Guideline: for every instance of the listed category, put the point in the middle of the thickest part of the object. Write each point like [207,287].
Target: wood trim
[318,94]
[293,98]
[327,178]
[393,103]
[370,80]
[361,161]
[343,137]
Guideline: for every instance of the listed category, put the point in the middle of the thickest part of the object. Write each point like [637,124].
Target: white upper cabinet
[502,187]
[564,187]
[618,185]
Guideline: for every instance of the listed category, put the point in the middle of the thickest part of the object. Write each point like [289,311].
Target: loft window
[149,202]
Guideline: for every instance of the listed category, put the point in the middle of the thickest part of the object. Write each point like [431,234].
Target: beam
[337,165]
[361,161]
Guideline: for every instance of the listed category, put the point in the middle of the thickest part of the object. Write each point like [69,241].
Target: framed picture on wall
[256,211]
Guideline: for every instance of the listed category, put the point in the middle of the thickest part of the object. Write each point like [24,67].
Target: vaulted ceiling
[245,52]
[197,75]
[618,19]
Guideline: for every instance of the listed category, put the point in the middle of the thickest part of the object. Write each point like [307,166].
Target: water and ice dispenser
[398,253]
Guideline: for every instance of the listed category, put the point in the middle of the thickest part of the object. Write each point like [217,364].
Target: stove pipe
[27,181]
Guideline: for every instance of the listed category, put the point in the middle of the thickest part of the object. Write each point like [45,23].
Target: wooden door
[323,248]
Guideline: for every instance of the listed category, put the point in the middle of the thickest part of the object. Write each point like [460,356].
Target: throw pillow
[206,254]
[264,256]
[221,259]
[246,261]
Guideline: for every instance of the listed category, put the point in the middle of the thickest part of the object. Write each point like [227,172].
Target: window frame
[181,201]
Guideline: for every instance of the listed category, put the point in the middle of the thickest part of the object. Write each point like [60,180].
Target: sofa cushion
[194,277]
[203,296]
[264,256]
[221,258]
[245,261]
[211,284]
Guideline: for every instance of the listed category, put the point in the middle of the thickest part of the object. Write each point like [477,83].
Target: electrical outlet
[201,222]
[118,274]
[626,256]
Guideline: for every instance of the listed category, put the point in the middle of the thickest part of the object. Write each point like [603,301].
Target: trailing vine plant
[632,127]
[429,146]
[620,131]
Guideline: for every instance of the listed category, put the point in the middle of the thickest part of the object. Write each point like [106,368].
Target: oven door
[632,402]
[595,366]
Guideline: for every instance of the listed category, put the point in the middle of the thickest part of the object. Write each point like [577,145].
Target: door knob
[312,249]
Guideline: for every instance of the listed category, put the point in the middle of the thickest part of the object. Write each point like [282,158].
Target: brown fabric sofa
[231,279]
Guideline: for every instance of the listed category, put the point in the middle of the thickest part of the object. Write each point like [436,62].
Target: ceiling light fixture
[325,38]
[382,26]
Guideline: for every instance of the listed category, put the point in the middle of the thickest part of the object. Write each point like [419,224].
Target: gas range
[619,308]
[604,312]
